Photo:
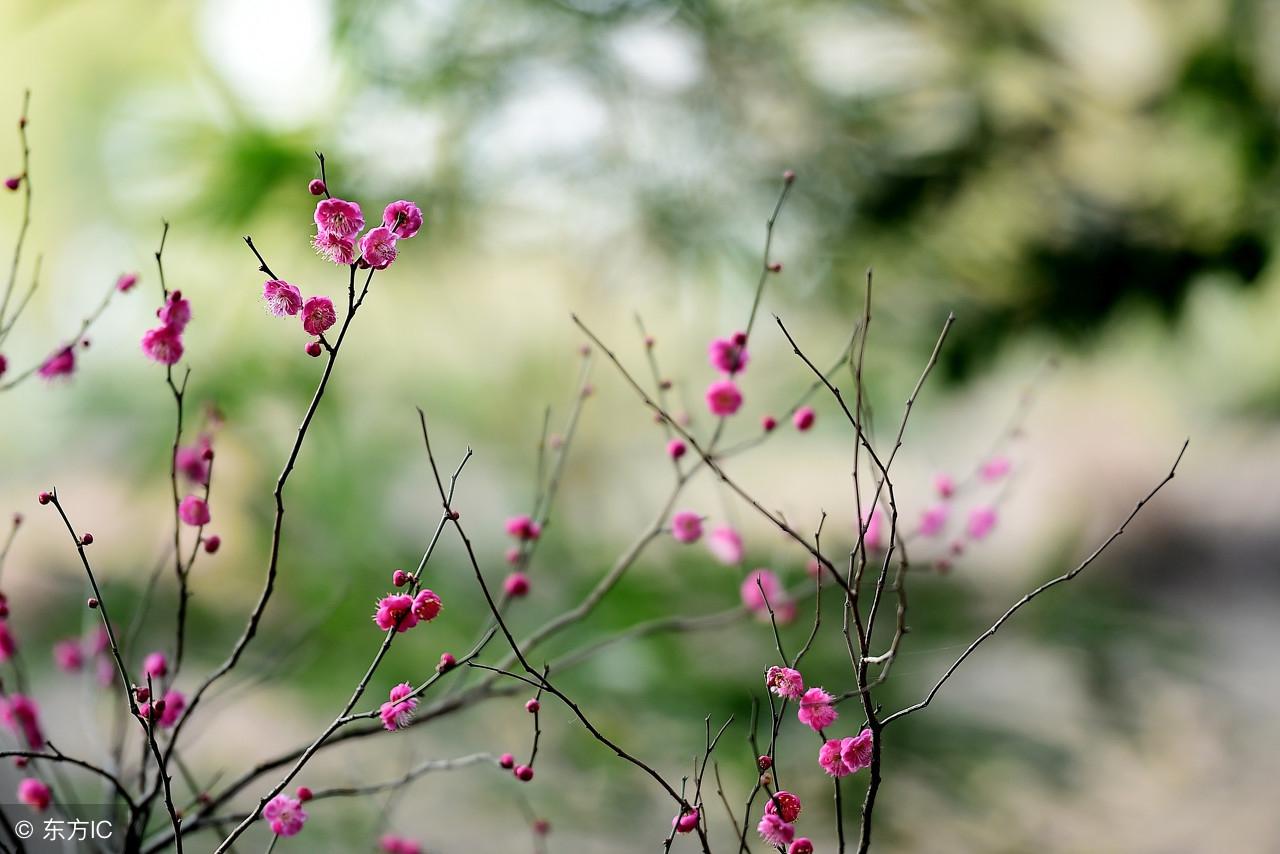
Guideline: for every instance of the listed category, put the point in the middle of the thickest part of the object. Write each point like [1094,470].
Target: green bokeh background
[1085,184]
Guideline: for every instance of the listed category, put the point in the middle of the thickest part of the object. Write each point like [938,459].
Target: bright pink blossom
[125,283]
[162,344]
[398,710]
[426,605]
[686,526]
[395,611]
[944,484]
[34,794]
[816,710]
[402,217]
[726,545]
[20,714]
[726,356]
[840,757]
[175,313]
[4,364]
[318,315]
[338,216]
[194,511]
[686,821]
[934,520]
[802,845]
[785,682]
[516,585]
[190,460]
[761,590]
[175,702]
[804,418]
[378,247]
[981,521]
[874,521]
[8,643]
[155,665]
[723,397]
[995,468]
[281,298]
[676,448]
[335,247]
[785,804]
[523,528]
[68,655]
[61,364]
[389,843]
[774,830]
[285,815]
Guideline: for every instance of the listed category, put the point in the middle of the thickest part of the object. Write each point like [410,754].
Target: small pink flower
[34,794]
[155,665]
[398,710]
[194,511]
[389,843]
[785,682]
[874,521]
[402,217]
[318,315]
[68,655]
[61,364]
[8,643]
[723,398]
[856,752]
[995,468]
[760,590]
[281,298]
[516,585]
[175,313]
[20,714]
[804,418]
[395,611]
[981,521]
[944,484]
[686,526]
[190,460]
[174,704]
[676,448]
[162,344]
[686,821]
[523,528]
[339,217]
[335,247]
[426,605]
[285,815]
[933,521]
[784,804]
[774,830]
[816,711]
[378,247]
[125,283]
[726,545]
[4,364]
[802,845]
[726,356]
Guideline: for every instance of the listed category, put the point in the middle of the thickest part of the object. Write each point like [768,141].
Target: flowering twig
[25,224]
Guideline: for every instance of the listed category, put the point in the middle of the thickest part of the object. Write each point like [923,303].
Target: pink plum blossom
[995,468]
[284,815]
[934,520]
[155,665]
[318,315]
[34,794]
[61,364]
[840,757]
[335,247]
[816,710]
[125,283]
[398,710]
[802,845]
[20,714]
[378,247]
[981,521]
[390,843]
[68,655]
[784,804]
[686,526]
[686,821]
[189,459]
[726,545]
[726,356]
[785,682]
[804,418]
[426,605]
[523,528]
[945,486]
[516,585]
[760,590]
[395,611]
[723,398]
[338,216]
[774,830]
[8,643]
[194,511]
[282,298]
[874,522]
[162,344]
[402,217]
[175,313]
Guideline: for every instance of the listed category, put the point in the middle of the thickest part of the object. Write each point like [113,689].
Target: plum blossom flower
[125,283]
[390,843]
[398,710]
[194,511]
[402,217]
[523,528]
[981,521]
[175,313]
[934,520]
[318,315]
[874,522]
[785,804]
[175,702]
[155,665]
[840,757]
[727,356]
[804,418]
[335,247]
[68,655]
[723,398]
[20,714]
[816,710]
[995,468]
[774,830]
[516,585]
[34,794]
[282,298]
[395,611]
[62,363]
[426,605]
[285,815]
[378,247]
[338,216]
[686,526]
[686,821]
[726,545]
[162,344]
[802,845]
[945,486]
[8,643]
[189,459]
[761,589]
[785,682]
